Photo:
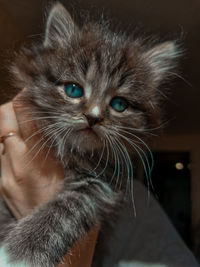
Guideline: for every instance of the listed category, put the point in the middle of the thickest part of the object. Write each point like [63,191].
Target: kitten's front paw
[31,244]
[4,259]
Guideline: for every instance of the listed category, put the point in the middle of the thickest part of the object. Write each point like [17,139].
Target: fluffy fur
[96,144]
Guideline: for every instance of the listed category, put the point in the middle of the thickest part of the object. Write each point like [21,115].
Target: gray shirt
[149,239]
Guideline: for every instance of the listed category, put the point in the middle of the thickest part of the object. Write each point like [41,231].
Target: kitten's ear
[162,60]
[60,26]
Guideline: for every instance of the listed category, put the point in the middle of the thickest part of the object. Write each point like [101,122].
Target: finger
[8,121]
[14,145]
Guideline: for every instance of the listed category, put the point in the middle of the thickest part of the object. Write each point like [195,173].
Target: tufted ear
[162,60]
[60,26]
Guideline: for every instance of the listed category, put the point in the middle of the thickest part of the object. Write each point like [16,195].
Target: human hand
[30,179]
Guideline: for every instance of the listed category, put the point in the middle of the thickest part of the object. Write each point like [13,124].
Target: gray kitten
[94,96]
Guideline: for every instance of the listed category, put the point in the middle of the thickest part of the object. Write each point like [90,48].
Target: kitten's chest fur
[90,166]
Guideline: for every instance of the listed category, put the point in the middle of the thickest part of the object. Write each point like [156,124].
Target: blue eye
[73,90]
[119,104]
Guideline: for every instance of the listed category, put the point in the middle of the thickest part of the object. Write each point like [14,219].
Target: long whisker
[41,130]
[100,158]
[64,119]
[142,151]
[39,118]
[125,160]
[180,77]
[53,141]
[148,175]
[55,131]
[47,130]
[107,159]
[131,181]
[43,112]
[144,130]
[119,159]
[64,138]
[130,172]
[66,135]
[147,147]
[116,160]
[36,144]
[141,130]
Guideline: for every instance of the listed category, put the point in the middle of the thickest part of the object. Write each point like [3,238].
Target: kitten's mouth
[89,138]
[89,131]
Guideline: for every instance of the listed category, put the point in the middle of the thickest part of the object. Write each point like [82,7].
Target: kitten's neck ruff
[96,164]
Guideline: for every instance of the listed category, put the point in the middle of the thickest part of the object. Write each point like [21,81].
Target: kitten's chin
[87,140]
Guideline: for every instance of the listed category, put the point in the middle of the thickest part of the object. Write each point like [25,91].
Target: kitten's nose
[92,120]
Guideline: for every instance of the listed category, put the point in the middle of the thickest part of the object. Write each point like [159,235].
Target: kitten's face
[92,87]
[97,100]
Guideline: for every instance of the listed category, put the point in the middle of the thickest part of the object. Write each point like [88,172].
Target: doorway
[171,181]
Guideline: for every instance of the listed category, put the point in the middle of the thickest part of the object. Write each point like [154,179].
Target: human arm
[21,188]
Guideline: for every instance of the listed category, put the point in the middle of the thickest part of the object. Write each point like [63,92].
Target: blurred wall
[10,38]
